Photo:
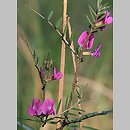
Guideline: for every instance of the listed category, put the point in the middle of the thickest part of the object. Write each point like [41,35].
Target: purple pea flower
[33,108]
[82,40]
[106,20]
[56,76]
[96,52]
[41,71]
[47,107]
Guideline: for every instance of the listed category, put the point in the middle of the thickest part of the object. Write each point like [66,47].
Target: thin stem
[62,63]
[56,29]
[85,117]
[35,64]
[74,65]
[76,120]
[90,115]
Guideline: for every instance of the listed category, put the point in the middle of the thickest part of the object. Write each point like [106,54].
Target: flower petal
[35,101]
[56,76]
[31,111]
[54,73]
[82,38]
[109,20]
[96,52]
[44,109]
[102,28]
[39,110]
[90,42]
[48,107]
[59,75]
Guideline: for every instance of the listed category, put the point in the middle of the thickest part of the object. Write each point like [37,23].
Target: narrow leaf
[58,106]
[104,8]
[66,103]
[99,3]
[92,15]
[50,15]
[105,5]
[92,10]
[89,20]
[77,109]
[59,22]
[78,49]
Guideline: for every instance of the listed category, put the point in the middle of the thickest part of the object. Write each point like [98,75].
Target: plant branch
[56,29]
[76,120]
[35,64]
[85,117]
[90,115]
[74,65]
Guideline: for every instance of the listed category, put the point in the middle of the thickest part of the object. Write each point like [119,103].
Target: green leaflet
[50,15]
[89,20]
[59,22]
[58,106]
[92,12]
[66,102]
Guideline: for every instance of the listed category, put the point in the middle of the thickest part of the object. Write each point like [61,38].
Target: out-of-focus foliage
[97,73]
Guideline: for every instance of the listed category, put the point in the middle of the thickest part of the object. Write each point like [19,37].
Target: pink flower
[82,40]
[33,109]
[96,52]
[106,20]
[47,108]
[56,76]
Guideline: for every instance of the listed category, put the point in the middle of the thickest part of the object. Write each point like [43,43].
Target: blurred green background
[98,73]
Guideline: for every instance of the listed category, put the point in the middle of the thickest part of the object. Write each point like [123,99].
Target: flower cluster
[88,45]
[86,42]
[37,108]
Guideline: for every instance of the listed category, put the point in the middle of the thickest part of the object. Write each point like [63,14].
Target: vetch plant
[45,110]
